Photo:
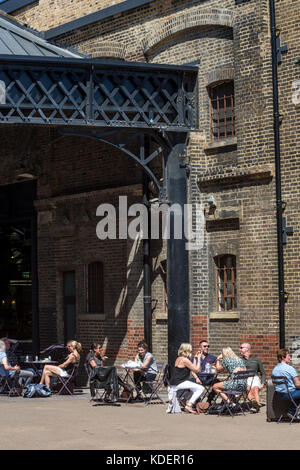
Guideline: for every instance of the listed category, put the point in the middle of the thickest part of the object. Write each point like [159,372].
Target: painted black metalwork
[178,256]
[85,92]
[133,145]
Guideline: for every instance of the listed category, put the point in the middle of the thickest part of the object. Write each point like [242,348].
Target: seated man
[254,385]
[11,370]
[284,369]
[205,358]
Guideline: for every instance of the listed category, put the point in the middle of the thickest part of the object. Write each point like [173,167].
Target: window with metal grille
[95,288]
[222,110]
[226,283]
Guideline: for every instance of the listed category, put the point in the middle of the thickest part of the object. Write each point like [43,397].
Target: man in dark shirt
[255,384]
[206,358]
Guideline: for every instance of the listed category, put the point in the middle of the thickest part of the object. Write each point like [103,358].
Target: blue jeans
[295,395]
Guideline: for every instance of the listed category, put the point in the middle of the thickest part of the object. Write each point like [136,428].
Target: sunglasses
[205,346]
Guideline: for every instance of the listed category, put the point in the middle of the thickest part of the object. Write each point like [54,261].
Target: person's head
[74,346]
[96,348]
[227,352]
[204,347]
[185,350]
[245,350]
[142,348]
[283,355]
[2,346]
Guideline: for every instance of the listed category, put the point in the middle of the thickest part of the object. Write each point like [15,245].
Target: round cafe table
[37,365]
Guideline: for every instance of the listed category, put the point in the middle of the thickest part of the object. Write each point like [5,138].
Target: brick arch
[192,19]
[220,74]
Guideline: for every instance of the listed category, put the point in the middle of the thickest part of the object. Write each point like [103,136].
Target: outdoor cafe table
[37,365]
[204,377]
[128,379]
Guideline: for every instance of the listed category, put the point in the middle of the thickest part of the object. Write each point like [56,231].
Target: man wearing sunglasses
[205,359]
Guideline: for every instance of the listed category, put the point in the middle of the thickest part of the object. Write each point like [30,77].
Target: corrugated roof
[16,39]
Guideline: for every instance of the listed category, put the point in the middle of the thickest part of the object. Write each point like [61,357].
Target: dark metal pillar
[147,271]
[178,256]
[34,280]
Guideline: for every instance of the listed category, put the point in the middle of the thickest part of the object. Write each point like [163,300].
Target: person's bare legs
[218,389]
[254,394]
[49,371]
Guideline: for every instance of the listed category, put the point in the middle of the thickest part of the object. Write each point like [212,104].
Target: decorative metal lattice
[47,93]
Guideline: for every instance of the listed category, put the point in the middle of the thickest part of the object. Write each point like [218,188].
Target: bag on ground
[36,390]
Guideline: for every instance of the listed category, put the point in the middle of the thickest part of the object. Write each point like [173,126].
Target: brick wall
[231,40]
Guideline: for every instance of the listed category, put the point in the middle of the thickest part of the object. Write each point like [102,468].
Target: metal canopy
[16,39]
[86,92]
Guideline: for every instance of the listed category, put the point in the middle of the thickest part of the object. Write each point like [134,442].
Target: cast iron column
[147,270]
[178,256]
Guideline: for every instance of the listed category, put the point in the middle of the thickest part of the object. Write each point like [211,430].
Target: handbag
[202,407]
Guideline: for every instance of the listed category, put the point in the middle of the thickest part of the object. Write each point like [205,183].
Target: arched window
[95,288]
[226,283]
[222,110]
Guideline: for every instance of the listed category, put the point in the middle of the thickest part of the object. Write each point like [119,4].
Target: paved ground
[76,423]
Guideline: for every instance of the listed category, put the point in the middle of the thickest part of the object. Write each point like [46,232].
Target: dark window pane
[95,288]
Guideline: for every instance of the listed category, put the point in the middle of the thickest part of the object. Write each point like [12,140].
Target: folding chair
[95,390]
[9,384]
[100,379]
[282,380]
[235,395]
[155,386]
[67,381]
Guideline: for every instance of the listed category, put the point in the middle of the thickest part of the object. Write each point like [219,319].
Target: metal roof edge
[9,6]
[122,7]
[86,62]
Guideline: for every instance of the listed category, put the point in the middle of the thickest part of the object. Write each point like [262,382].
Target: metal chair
[235,395]
[67,381]
[104,378]
[9,384]
[155,386]
[282,380]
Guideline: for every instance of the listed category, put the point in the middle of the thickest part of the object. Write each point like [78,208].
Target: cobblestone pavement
[73,422]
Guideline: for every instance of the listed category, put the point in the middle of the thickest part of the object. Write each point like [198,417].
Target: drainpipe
[278,178]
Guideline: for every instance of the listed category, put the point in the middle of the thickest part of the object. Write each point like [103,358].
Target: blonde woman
[229,361]
[180,375]
[65,368]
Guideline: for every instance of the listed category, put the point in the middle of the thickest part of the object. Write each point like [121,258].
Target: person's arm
[92,363]
[219,366]
[296,382]
[193,368]
[262,372]
[7,366]
[70,360]
[146,364]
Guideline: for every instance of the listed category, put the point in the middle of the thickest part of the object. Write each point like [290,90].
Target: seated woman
[94,358]
[229,361]
[64,369]
[180,375]
[11,370]
[148,368]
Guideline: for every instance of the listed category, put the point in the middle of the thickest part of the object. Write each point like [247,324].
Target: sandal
[189,409]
